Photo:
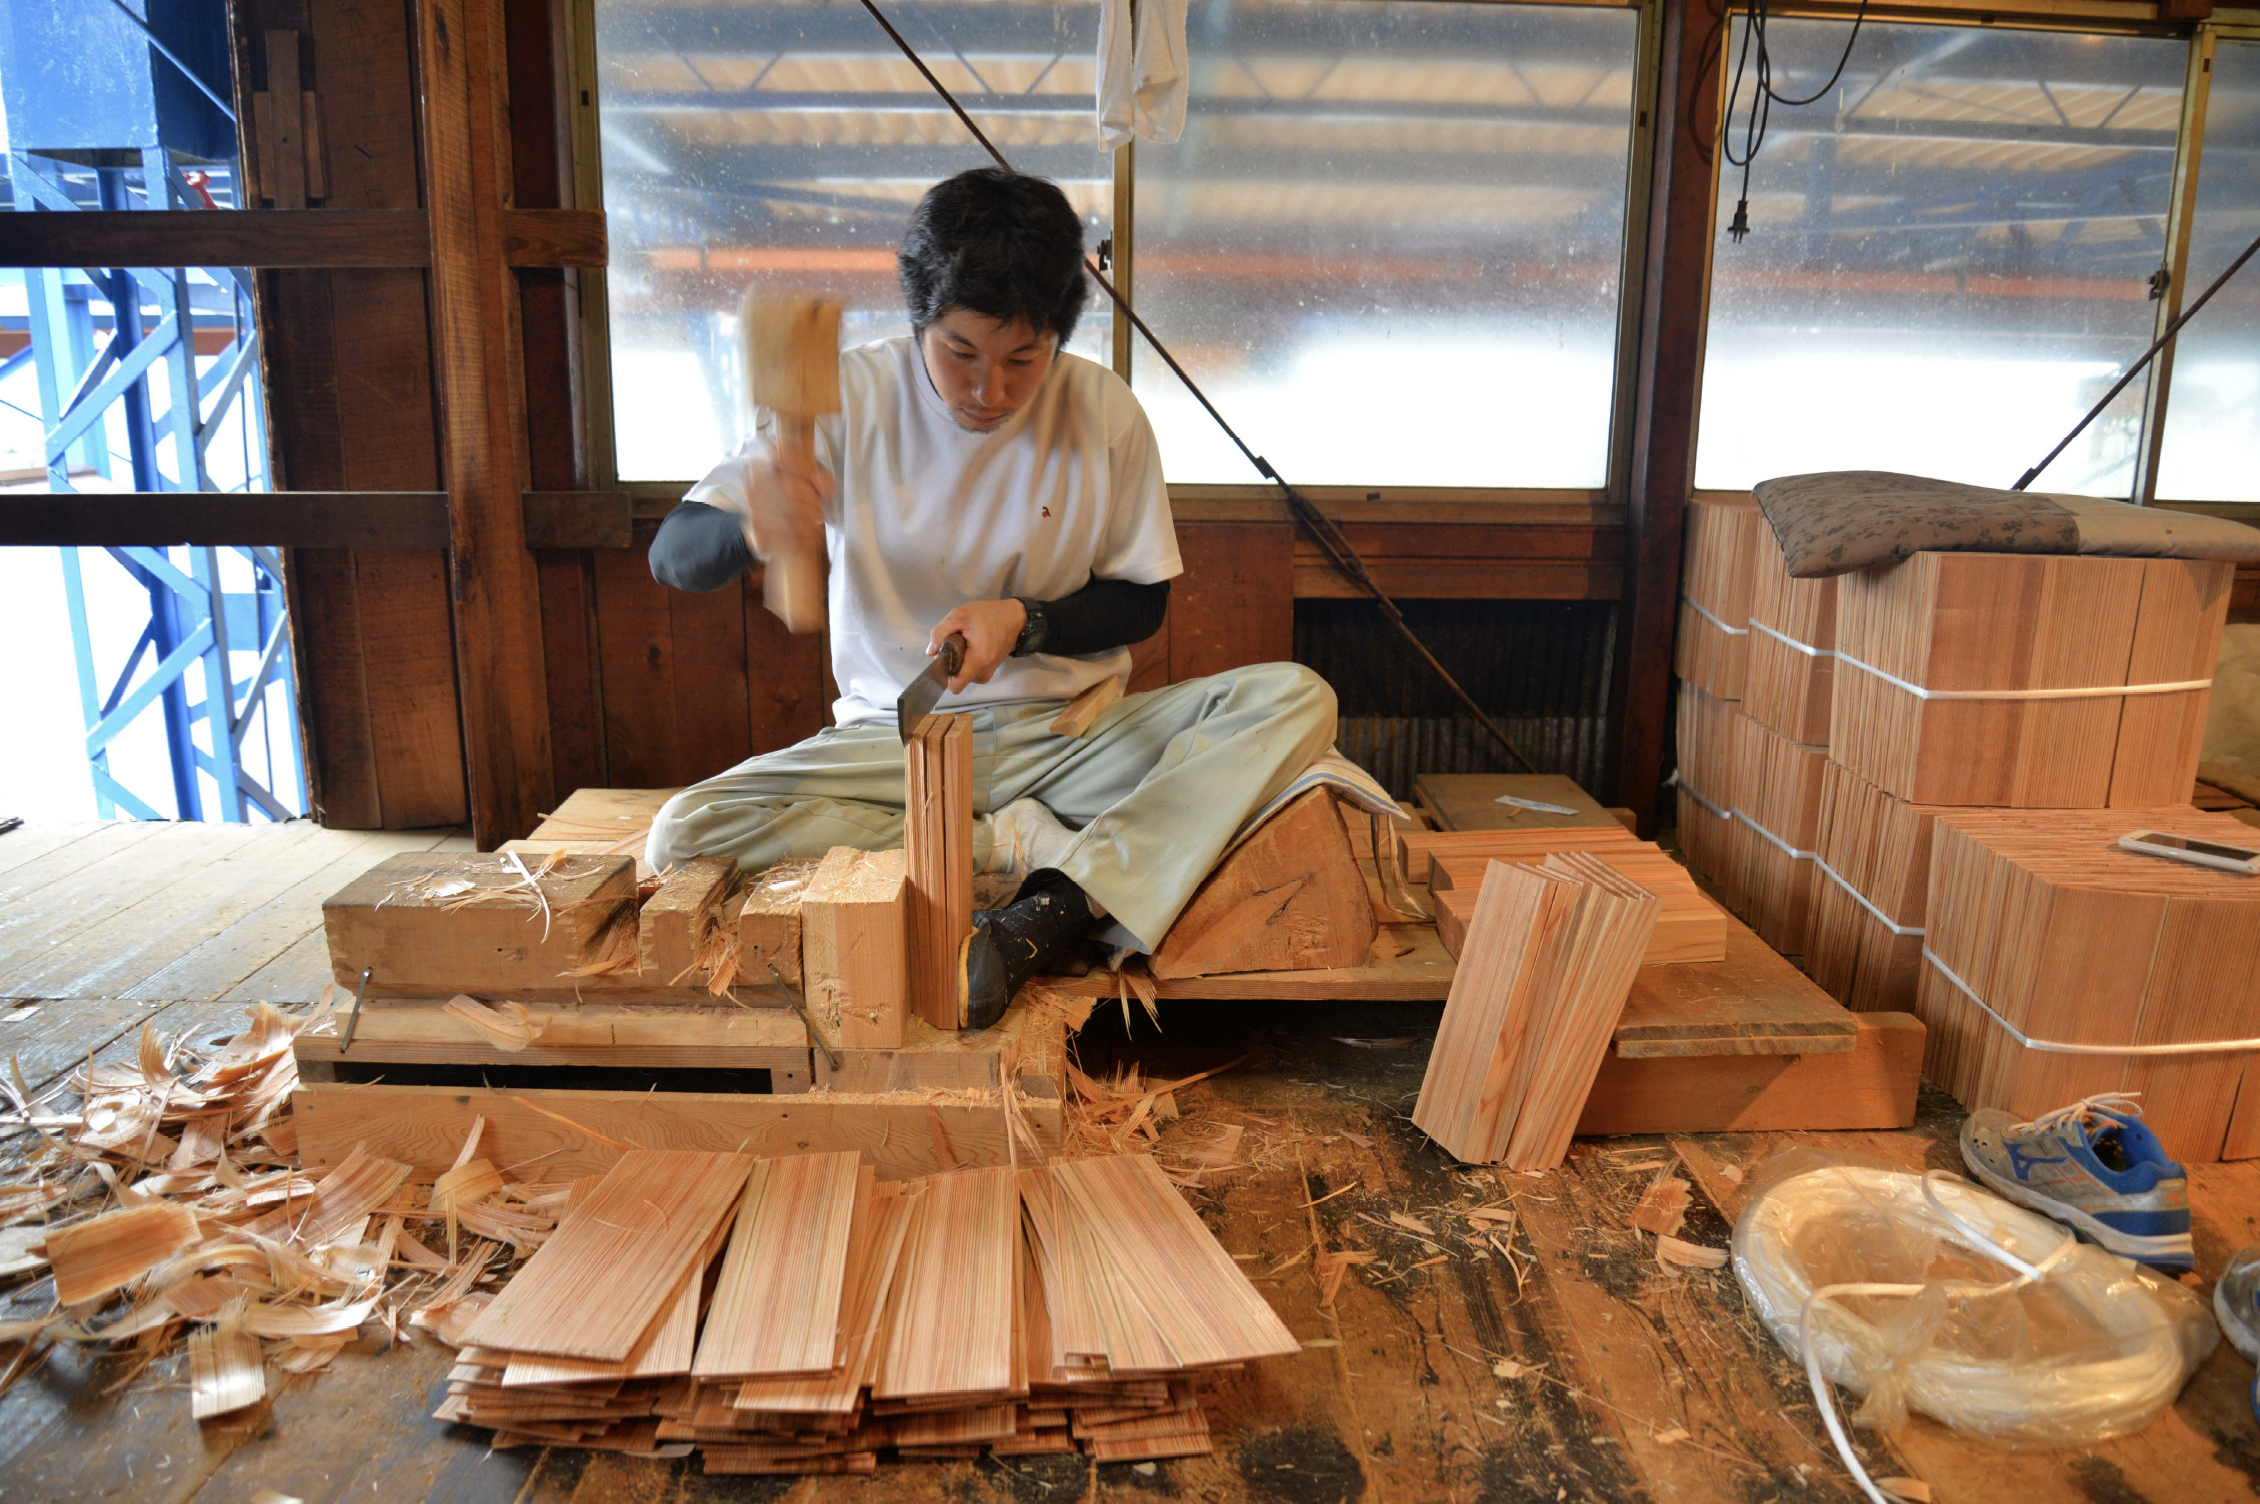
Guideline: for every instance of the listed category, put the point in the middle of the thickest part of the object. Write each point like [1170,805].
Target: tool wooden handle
[792,579]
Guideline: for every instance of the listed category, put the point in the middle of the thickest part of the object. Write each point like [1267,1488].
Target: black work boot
[1010,945]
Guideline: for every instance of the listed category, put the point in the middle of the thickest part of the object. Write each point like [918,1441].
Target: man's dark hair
[998,243]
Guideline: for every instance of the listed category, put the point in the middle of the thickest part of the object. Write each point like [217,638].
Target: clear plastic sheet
[1922,1292]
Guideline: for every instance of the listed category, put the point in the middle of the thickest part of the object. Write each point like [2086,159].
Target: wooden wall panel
[636,653]
[349,382]
[1235,602]
[786,675]
[713,718]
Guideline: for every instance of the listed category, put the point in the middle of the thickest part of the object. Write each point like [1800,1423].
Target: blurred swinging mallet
[792,363]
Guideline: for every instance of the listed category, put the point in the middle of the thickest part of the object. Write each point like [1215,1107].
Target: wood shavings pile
[161,1199]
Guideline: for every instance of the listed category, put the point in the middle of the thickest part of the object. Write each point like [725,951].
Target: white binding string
[1866,902]
[1802,856]
[2058,1047]
[1697,608]
[1689,790]
[2094,693]
[1803,647]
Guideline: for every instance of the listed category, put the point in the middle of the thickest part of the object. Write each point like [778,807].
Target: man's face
[984,371]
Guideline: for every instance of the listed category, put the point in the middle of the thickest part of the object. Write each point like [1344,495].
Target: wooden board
[1289,898]
[901,1134]
[1870,1085]
[1752,1003]
[1028,1045]
[1419,971]
[422,1032]
[1416,846]
[1470,801]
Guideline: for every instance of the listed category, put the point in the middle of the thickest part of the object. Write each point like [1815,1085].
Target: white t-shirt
[927,516]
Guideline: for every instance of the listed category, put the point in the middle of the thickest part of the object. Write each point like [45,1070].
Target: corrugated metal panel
[1540,668]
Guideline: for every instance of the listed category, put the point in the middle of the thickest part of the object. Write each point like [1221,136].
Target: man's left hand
[990,629]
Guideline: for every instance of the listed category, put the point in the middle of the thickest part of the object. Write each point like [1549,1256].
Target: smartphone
[2242,860]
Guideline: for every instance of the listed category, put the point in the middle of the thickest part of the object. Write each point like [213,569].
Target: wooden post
[1668,389]
[501,677]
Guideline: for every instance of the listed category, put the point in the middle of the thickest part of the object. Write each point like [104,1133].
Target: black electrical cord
[2132,371]
[1322,528]
[1762,100]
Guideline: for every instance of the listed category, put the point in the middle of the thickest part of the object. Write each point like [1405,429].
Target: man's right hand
[785,495]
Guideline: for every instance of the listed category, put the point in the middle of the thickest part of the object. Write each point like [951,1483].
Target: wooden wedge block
[852,943]
[432,924]
[769,922]
[675,921]
[1872,1085]
[1289,898]
[937,836]
[1087,707]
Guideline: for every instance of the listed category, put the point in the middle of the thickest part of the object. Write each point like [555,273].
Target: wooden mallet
[792,362]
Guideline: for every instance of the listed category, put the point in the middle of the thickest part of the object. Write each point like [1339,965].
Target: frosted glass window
[2212,450]
[785,144]
[1949,259]
[1389,244]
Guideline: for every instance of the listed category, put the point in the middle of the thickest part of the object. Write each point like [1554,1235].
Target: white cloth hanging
[1143,72]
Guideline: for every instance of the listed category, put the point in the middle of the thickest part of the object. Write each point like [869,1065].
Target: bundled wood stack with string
[1707,832]
[1713,645]
[2057,966]
[1062,1308]
[1777,811]
[1550,957]
[2027,680]
[1792,646]
[1864,942]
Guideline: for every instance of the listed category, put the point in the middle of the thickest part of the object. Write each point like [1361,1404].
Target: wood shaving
[506,1026]
[1663,1207]
[1670,1251]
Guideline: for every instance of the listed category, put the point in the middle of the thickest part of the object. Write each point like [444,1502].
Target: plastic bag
[1924,1292]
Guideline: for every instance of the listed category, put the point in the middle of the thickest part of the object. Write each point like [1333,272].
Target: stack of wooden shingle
[1069,1307]
[1712,659]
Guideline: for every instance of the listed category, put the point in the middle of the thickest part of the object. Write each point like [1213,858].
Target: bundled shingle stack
[1069,1307]
[1712,659]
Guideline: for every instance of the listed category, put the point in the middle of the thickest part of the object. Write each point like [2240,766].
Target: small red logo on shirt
[1047,511]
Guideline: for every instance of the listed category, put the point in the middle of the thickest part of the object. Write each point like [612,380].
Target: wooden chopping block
[1289,898]
[435,923]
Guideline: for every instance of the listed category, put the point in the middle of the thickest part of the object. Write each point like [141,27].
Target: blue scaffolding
[138,372]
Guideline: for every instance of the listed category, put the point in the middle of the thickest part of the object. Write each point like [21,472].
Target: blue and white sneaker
[2095,1168]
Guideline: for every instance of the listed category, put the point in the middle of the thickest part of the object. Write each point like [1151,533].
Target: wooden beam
[1668,389]
[573,1133]
[293,519]
[285,238]
[1871,1085]
[500,673]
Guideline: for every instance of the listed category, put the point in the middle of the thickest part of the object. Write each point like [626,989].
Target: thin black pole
[2136,369]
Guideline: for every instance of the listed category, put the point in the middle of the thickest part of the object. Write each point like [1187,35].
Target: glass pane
[1948,256]
[2212,450]
[785,144]
[1389,244]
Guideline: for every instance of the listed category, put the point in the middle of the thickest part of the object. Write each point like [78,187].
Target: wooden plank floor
[103,928]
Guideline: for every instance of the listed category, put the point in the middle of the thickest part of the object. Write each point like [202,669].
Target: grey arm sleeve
[1102,615]
[699,548]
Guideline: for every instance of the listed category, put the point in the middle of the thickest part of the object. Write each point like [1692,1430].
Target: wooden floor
[1397,1399]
